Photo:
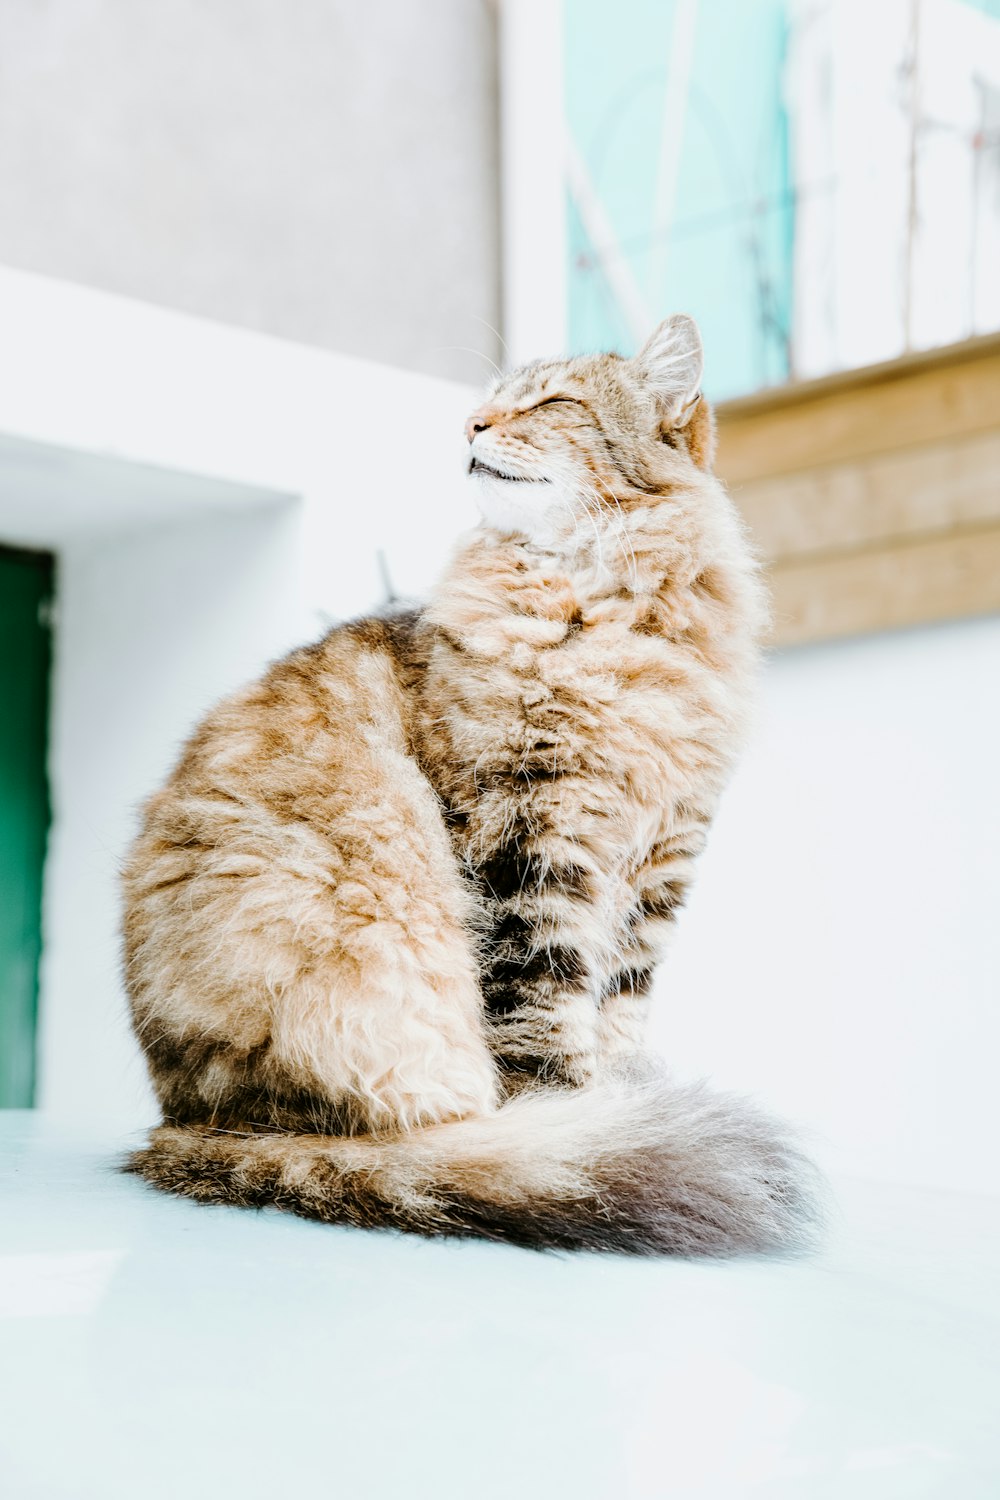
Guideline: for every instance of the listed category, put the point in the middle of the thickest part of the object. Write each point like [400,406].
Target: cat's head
[572,438]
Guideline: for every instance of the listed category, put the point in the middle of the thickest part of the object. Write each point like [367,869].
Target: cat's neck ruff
[601,563]
[620,546]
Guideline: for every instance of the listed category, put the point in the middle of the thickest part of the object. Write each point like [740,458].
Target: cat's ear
[671,363]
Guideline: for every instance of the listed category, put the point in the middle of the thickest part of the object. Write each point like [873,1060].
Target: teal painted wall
[728,259]
[26,584]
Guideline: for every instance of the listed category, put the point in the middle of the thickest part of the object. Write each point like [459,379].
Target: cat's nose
[479,421]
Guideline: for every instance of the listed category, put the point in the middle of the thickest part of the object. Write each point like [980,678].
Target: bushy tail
[639,1167]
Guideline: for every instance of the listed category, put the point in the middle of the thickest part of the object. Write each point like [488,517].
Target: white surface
[154,1348]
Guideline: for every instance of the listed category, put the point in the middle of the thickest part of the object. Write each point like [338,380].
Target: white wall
[841,952]
[152,626]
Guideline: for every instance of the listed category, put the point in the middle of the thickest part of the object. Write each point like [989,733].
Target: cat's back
[290,748]
[309,708]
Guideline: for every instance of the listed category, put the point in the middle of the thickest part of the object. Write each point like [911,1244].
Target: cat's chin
[524,508]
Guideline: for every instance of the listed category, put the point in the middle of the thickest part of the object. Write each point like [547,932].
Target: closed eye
[556,401]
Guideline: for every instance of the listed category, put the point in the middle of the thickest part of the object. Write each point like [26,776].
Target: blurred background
[256,261]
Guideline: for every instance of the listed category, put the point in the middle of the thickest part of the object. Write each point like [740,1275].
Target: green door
[26,584]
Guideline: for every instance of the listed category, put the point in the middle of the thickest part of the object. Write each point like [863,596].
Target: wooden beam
[874,495]
[899,405]
[931,578]
[926,488]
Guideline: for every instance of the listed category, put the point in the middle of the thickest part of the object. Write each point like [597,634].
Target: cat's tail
[634,1166]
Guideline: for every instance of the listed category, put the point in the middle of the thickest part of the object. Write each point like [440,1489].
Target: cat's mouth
[476,466]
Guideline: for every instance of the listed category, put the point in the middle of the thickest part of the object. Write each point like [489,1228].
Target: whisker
[465,349]
[495,331]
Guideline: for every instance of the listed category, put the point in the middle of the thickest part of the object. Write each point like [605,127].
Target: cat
[392,922]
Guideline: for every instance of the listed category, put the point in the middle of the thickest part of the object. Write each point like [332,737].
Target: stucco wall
[324,171]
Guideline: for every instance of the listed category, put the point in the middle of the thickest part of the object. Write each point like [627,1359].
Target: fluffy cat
[392,922]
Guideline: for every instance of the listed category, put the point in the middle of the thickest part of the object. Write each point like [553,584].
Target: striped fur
[391,925]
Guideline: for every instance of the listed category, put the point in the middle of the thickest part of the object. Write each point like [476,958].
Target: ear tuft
[671,362]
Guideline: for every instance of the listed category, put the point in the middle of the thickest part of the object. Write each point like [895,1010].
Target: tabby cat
[391,925]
